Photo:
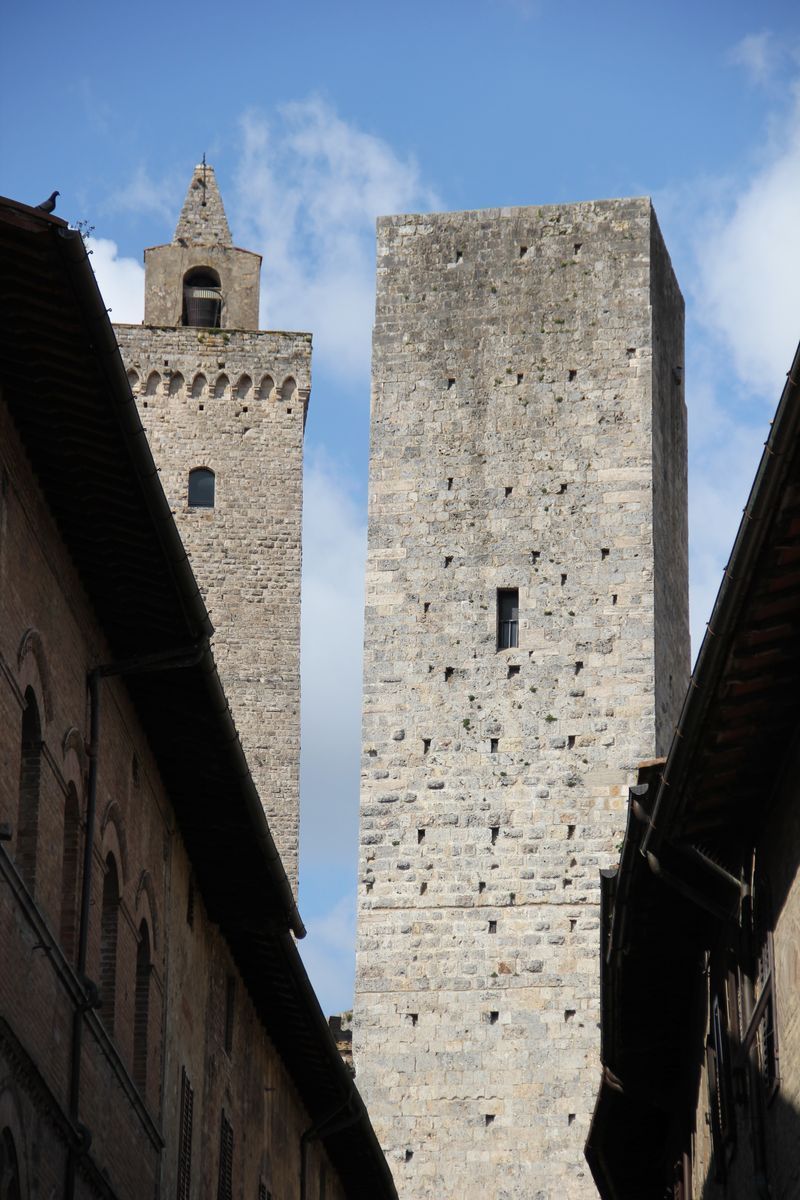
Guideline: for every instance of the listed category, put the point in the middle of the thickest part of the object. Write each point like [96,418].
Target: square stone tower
[526,647]
[224,405]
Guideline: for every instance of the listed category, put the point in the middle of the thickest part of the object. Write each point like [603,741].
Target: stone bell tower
[526,647]
[223,404]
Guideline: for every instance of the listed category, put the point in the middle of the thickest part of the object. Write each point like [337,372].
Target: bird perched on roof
[49,204]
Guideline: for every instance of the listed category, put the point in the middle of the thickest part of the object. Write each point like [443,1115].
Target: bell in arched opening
[202,298]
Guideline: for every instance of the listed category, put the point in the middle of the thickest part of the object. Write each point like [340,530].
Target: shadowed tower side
[526,646]
[223,405]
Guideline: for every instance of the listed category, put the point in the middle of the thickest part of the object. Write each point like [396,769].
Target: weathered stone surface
[234,400]
[528,431]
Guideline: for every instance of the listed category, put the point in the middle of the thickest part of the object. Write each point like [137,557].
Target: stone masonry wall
[235,402]
[527,414]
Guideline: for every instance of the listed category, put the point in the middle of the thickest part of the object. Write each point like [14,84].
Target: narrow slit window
[109,918]
[29,780]
[202,488]
[141,1014]
[185,1138]
[507,618]
[225,1177]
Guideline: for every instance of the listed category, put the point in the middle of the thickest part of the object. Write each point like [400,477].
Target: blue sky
[318,117]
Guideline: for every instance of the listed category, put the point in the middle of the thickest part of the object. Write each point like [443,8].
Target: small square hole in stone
[481,887]
[448,674]
[569,1013]
[494,1016]
[459,255]
[450,484]
[535,555]
[495,831]
[572,374]
[413,1017]
[523,250]
[494,744]
[570,832]
[200,407]
[488,1118]
[244,408]
[448,558]
[409,1155]
[426,606]
[578,667]
[451,383]
[420,836]
[563,579]
[423,887]
[288,410]
[570,1118]
[614,598]
[513,670]
[493,927]
[426,745]
[571,741]
[604,552]
[509,490]
[520,377]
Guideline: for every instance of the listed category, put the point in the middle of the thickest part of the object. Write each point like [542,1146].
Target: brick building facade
[158,1033]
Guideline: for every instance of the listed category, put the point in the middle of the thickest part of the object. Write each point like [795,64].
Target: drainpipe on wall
[755,1106]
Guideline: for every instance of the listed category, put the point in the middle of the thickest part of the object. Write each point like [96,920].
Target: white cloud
[142,195]
[748,290]
[121,281]
[734,241]
[328,953]
[334,549]
[725,450]
[757,53]
[309,189]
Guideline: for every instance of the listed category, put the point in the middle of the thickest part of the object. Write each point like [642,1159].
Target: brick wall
[48,642]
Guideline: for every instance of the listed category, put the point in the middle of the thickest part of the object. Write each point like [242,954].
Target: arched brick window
[70,860]
[29,781]
[202,488]
[141,1015]
[109,920]
[10,1187]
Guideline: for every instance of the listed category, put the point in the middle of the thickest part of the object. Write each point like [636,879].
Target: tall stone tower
[223,405]
[526,647]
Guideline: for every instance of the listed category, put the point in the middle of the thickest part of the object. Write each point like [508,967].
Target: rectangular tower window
[507,618]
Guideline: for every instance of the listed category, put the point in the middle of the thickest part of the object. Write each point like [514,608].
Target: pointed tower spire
[202,221]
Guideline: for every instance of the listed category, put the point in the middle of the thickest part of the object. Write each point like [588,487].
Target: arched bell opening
[202,298]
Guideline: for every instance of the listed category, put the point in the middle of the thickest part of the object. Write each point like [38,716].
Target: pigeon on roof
[49,204]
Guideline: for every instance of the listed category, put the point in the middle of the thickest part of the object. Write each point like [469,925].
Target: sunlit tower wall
[526,648]
[223,405]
